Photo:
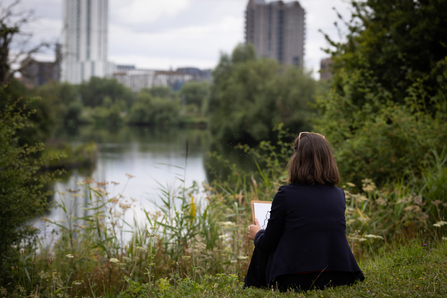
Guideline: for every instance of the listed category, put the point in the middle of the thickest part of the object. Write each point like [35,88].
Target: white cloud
[146,11]
[192,45]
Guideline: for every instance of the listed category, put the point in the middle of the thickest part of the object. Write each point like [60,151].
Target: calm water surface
[153,156]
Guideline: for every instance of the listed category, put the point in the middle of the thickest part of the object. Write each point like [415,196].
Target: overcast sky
[160,34]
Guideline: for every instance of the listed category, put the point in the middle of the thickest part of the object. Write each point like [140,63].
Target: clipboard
[261,211]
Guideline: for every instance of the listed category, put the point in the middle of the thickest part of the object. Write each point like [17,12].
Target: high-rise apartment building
[277,30]
[85,40]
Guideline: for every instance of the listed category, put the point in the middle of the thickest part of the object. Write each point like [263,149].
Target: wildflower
[440,224]
[179,211]
[350,184]
[70,256]
[113,260]
[139,248]
[444,238]
[77,282]
[436,203]
[233,261]
[425,244]
[130,176]
[381,202]
[242,257]
[369,187]
[374,236]
[418,201]
[412,208]
[124,206]
[360,198]
[114,183]
[127,259]
[362,239]
[223,236]
[364,219]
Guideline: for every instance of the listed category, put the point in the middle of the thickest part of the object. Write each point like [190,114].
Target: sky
[165,34]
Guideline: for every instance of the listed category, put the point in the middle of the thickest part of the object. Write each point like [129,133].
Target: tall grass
[198,233]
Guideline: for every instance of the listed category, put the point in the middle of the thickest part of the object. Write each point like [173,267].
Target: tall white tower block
[85,40]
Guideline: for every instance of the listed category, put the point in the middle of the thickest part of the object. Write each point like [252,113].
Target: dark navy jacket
[306,231]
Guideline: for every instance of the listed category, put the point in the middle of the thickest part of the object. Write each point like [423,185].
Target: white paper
[262,213]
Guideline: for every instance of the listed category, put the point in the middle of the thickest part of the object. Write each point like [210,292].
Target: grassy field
[413,270]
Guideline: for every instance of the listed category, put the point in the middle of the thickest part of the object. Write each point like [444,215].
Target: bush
[149,110]
[22,187]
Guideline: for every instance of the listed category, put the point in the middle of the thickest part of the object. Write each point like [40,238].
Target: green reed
[197,234]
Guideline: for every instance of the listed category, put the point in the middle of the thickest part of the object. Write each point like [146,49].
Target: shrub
[22,187]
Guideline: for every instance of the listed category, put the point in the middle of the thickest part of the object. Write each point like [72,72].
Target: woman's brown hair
[312,161]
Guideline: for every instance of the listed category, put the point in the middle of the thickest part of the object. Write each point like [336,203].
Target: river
[140,161]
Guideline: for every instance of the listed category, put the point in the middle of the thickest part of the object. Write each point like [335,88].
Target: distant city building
[124,67]
[199,74]
[85,40]
[325,69]
[37,73]
[137,79]
[277,30]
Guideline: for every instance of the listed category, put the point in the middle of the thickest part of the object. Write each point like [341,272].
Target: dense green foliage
[195,93]
[154,110]
[250,96]
[41,119]
[100,91]
[387,108]
[65,103]
[22,188]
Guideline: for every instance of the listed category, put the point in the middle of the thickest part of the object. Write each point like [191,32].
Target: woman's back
[306,231]
[304,243]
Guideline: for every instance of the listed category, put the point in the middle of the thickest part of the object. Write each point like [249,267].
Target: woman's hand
[253,230]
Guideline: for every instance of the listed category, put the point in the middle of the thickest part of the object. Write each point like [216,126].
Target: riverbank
[82,155]
[416,269]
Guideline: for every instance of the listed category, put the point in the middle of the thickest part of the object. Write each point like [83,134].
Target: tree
[250,96]
[22,187]
[149,110]
[396,43]
[12,36]
[387,107]
[195,93]
[64,101]
[159,91]
[94,92]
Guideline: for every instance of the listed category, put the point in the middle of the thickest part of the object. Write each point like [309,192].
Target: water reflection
[155,157]
[152,156]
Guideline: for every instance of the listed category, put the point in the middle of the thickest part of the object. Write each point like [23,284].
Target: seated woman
[304,245]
